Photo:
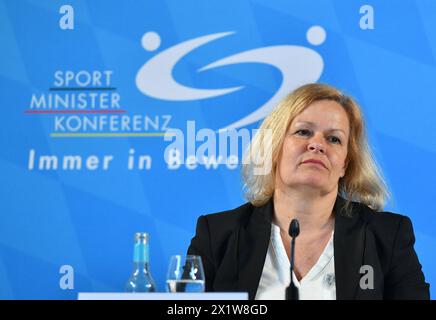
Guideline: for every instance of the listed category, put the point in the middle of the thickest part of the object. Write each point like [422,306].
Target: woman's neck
[313,211]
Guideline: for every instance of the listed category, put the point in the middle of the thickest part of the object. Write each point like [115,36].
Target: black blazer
[233,246]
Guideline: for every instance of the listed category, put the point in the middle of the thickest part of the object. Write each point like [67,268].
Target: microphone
[294,231]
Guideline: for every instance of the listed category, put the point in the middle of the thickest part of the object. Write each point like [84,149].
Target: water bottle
[141,279]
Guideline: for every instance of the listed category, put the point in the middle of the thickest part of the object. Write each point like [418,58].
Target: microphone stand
[294,231]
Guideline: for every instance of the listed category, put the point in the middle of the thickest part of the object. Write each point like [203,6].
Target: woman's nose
[316,146]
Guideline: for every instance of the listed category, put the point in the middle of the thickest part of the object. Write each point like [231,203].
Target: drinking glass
[185,274]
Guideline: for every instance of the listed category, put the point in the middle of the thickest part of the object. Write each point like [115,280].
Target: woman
[322,174]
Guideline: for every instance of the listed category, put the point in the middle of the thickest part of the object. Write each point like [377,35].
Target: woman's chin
[308,185]
[313,180]
[309,181]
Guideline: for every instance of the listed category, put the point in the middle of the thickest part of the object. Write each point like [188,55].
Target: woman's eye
[303,132]
[334,139]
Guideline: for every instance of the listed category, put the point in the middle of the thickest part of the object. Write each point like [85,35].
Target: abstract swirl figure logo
[298,65]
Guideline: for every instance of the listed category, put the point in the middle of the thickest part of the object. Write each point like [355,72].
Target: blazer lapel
[252,249]
[349,239]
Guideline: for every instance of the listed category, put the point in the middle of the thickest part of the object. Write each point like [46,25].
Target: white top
[318,284]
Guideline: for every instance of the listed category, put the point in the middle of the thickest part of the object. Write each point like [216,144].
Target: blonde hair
[362,181]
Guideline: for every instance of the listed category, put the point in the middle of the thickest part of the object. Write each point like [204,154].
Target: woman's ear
[344,169]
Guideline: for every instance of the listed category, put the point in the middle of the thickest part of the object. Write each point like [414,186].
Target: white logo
[298,65]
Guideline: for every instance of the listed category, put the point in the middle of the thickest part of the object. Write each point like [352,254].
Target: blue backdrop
[87,88]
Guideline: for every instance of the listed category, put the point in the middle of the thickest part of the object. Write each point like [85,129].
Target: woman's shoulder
[374,216]
[384,223]
[231,216]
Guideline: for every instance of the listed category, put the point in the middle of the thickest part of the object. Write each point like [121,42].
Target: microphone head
[294,228]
